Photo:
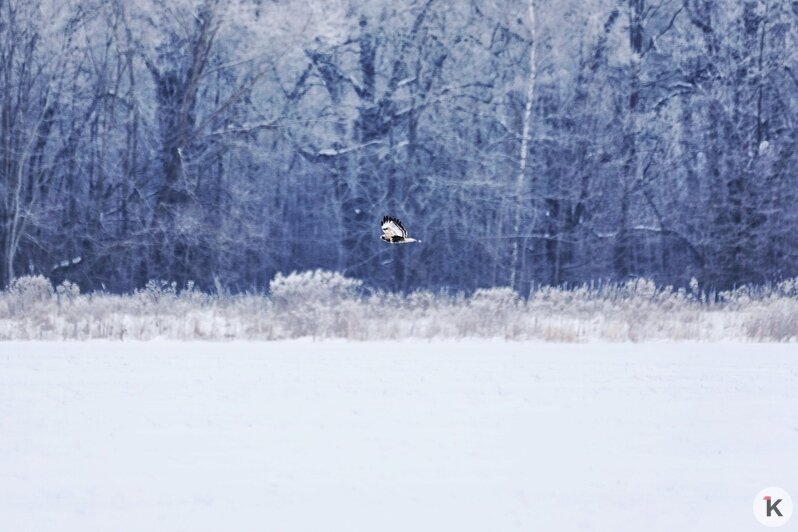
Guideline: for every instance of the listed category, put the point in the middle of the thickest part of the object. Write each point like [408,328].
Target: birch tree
[521,179]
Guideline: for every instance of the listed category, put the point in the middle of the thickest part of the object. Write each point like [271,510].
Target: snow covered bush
[314,302]
[501,298]
[322,304]
[493,309]
[67,292]
[156,291]
[775,320]
[317,286]
[27,292]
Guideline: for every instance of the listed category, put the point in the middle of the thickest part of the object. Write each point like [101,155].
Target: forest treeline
[533,142]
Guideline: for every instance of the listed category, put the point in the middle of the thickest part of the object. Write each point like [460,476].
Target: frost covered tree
[222,142]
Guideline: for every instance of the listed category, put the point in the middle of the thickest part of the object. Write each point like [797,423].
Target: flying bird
[394,232]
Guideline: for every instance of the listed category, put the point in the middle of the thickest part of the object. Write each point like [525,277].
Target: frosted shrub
[643,288]
[737,298]
[777,321]
[788,288]
[157,297]
[317,286]
[67,292]
[694,286]
[422,300]
[322,304]
[776,326]
[309,303]
[28,291]
[193,297]
[494,310]
[31,288]
[500,298]
[156,290]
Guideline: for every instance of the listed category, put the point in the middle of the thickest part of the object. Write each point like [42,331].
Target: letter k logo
[772,506]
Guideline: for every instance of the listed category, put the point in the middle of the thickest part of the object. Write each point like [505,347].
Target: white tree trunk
[519,185]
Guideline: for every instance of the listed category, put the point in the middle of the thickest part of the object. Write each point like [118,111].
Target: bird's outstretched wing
[392,227]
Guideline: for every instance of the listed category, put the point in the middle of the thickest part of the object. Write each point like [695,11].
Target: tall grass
[323,304]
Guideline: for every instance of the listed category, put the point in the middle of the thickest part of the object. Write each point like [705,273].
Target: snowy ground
[298,435]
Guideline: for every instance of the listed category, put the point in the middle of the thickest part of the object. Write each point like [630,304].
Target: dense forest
[526,142]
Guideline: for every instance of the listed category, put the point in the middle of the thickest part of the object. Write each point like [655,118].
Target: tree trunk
[520,182]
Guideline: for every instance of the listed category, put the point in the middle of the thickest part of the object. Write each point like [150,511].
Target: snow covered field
[475,435]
